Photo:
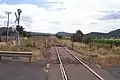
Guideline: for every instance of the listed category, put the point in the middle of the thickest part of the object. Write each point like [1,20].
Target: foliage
[77,37]
[47,35]
[59,36]
[73,38]
[26,34]
[107,41]
[86,40]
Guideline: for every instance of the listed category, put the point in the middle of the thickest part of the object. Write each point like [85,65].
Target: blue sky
[64,15]
[22,1]
[42,3]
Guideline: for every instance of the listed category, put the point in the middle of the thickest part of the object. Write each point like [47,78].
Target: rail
[90,69]
[64,76]
[97,75]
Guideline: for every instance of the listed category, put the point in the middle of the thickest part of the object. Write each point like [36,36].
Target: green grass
[107,41]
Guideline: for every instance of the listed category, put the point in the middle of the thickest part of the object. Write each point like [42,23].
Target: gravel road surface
[114,70]
[54,72]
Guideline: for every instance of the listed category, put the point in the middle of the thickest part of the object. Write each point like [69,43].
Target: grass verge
[103,56]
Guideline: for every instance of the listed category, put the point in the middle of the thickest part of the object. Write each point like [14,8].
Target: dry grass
[7,46]
[34,44]
[104,56]
[109,60]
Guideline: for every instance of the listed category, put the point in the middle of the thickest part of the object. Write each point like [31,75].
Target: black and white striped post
[18,24]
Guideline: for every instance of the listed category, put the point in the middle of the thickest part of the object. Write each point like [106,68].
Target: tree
[87,39]
[59,36]
[79,32]
[73,38]
[78,36]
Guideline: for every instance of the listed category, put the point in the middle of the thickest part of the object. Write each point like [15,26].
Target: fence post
[34,44]
[116,44]
[72,45]
[98,46]
[90,45]
[111,45]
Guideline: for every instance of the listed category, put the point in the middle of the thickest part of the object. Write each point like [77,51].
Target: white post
[17,40]
[8,13]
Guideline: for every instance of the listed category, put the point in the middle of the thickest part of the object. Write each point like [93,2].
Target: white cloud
[64,15]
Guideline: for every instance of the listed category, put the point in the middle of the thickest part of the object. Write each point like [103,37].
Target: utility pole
[8,14]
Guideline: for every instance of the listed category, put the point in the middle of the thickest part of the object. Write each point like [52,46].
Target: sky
[52,16]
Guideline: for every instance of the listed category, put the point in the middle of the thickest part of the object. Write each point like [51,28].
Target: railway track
[65,71]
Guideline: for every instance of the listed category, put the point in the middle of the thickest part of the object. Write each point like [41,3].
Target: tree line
[77,37]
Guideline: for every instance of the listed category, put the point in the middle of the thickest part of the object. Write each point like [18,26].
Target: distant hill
[40,34]
[3,31]
[115,34]
[64,34]
[96,34]
[59,33]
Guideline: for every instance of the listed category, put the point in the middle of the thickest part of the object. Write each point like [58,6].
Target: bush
[59,36]
[87,40]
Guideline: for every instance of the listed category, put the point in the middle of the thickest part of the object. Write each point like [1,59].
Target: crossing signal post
[18,27]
